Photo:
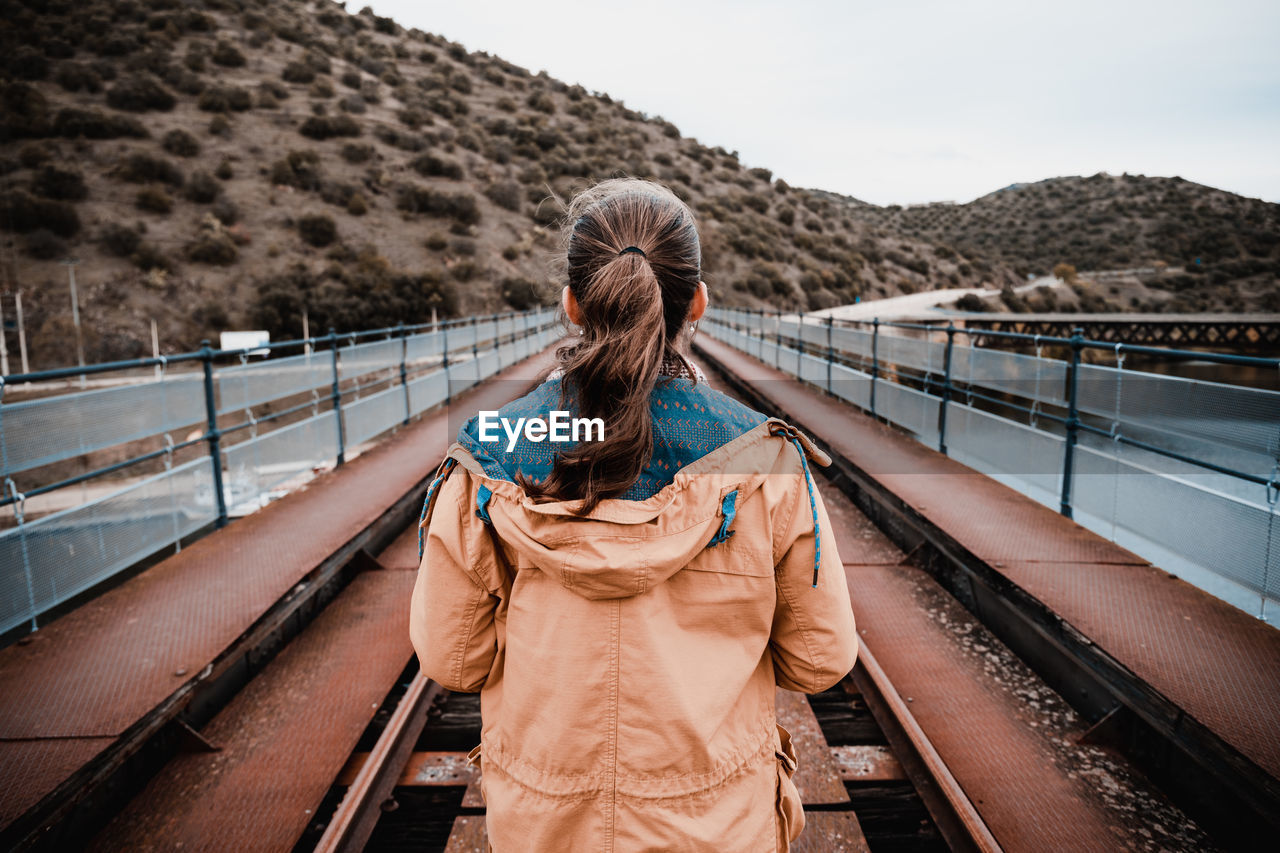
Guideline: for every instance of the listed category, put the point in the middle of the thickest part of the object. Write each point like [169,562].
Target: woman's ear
[698,305]
[570,304]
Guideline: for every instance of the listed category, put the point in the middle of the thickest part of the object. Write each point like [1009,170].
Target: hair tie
[635,249]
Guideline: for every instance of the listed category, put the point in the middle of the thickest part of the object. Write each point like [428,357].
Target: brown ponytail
[634,305]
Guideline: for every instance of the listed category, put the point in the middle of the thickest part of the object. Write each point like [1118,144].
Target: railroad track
[895,772]
[869,776]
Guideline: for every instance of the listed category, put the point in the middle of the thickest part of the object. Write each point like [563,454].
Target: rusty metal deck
[284,738]
[1010,745]
[76,686]
[1217,664]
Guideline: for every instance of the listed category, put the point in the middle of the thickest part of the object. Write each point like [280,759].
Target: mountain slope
[1229,245]
[230,164]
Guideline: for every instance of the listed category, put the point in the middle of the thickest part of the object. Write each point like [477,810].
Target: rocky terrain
[1169,245]
[230,164]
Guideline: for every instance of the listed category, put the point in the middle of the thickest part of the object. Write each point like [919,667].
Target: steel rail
[957,819]
[357,815]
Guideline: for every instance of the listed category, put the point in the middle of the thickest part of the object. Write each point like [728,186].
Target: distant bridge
[1257,333]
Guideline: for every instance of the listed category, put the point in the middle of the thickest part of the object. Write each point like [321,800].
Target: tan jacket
[626,666]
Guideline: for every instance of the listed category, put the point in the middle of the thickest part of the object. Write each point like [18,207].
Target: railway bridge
[1253,333]
[1065,573]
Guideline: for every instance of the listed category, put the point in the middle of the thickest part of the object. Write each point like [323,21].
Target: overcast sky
[920,100]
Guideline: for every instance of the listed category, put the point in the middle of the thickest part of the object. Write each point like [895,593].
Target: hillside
[1197,248]
[227,164]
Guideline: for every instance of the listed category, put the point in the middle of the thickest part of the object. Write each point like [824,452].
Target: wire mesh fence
[1182,471]
[270,424]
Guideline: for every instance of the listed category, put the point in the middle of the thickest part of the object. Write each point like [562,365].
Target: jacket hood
[624,547]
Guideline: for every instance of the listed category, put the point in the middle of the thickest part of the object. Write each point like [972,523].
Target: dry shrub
[154,199]
[298,72]
[317,229]
[460,207]
[227,55]
[140,168]
[23,212]
[139,93]
[298,169]
[222,99]
[213,245]
[57,183]
[75,76]
[119,240]
[180,143]
[202,188]
[433,166]
[357,152]
[328,127]
[91,124]
[504,194]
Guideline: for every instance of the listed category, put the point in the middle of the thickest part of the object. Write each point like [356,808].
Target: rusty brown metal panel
[1011,770]
[282,740]
[858,540]
[1218,664]
[31,768]
[402,553]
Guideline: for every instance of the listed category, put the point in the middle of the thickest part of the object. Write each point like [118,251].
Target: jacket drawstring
[445,467]
[792,435]
[813,508]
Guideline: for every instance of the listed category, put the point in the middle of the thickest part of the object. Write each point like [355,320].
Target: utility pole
[155,344]
[22,333]
[4,349]
[306,332]
[70,264]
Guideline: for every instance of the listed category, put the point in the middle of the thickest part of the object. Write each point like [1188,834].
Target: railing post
[1073,420]
[404,370]
[444,358]
[831,350]
[212,433]
[336,396]
[777,337]
[946,389]
[875,360]
[799,346]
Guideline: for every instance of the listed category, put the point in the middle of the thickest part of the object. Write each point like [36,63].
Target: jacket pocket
[789,807]
[734,556]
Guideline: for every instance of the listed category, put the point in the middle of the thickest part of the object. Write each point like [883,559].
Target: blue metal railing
[1214,440]
[46,560]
